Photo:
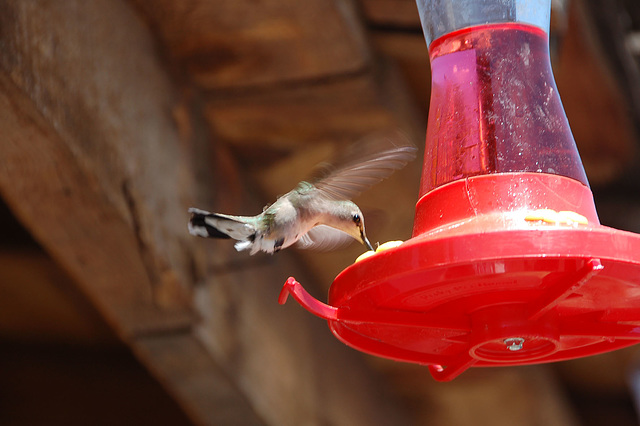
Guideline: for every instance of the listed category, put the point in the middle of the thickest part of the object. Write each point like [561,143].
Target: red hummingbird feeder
[508,263]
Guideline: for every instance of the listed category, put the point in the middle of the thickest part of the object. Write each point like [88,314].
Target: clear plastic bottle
[494,104]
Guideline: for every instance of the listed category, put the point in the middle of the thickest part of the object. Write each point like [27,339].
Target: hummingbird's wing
[364,164]
[324,238]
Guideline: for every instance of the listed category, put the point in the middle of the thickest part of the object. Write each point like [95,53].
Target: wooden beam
[99,162]
[339,110]
[594,101]
[186,368]
[527,395]
[39,303]
[58,384]
[284,357]
[392,13]
[62,204]
[80,160]
[244,43]
[409,51]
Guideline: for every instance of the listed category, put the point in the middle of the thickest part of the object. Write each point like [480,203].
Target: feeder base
[490,291]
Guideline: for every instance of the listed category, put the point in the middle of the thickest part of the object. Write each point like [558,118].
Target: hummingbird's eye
[356,219]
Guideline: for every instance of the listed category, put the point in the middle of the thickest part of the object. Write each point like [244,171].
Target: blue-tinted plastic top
[440,17]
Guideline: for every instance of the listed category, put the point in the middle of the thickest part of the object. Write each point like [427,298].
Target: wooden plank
[95,166]
[94,216]
[243,43]
[60,202]
[338,110]
[40,308]
[69,118]
[286,360]
[527,395]
[39,303]
[409,51]
[202,388]
[58,384]
[392,13]
[594,102]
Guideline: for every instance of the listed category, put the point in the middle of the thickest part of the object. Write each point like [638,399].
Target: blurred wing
[364,164]
[324,238]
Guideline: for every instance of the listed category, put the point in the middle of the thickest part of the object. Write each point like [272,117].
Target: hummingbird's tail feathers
[243,245]
[216,225]
[199,227]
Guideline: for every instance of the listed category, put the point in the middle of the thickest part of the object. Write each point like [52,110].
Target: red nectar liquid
[495,107]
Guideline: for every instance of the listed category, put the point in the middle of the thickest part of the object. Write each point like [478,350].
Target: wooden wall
[118,115]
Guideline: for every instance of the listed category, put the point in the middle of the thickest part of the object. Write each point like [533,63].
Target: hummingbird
[318,213]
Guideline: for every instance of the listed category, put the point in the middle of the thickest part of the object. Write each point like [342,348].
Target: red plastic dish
[497,273]
[491,288]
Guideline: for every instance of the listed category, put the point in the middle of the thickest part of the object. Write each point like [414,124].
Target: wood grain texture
[39,303]
[339,110]
[594,102]
[100,158]
[285,360]
[244,43]
[85,136]
[392,13]
[118,115]
[207,394]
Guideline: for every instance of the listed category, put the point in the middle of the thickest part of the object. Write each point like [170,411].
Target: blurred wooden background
[118,115]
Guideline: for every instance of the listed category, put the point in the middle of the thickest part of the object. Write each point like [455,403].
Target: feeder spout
[449,372]
[307,301]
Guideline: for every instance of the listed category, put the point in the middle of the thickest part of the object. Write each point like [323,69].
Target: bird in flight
[317,213]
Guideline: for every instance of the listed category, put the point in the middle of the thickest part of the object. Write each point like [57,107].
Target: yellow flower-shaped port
[382,247]
[554,217]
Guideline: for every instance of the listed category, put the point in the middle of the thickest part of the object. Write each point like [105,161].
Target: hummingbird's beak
[365,240]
